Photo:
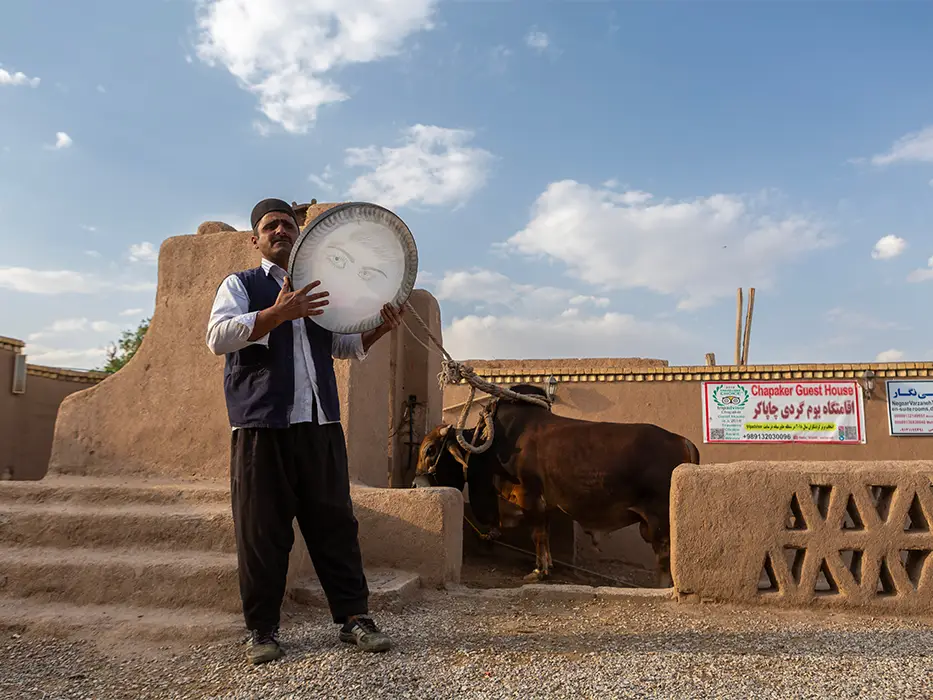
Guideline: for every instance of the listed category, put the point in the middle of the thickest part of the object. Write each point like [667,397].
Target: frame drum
[364,255]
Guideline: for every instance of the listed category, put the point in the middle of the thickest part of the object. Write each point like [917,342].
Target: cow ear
[443,431]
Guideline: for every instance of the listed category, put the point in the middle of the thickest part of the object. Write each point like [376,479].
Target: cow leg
[543,561]
[654,532]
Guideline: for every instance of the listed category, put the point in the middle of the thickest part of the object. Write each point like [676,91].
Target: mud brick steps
[76,551]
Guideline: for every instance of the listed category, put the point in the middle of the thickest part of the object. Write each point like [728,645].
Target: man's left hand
[392,319]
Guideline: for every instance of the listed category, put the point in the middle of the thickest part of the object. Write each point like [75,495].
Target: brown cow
[604,475]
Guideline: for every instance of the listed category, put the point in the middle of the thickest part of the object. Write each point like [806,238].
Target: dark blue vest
[259,382]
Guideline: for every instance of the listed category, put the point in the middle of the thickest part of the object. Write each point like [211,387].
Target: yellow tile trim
[697,373]
[11,344]
[68,375]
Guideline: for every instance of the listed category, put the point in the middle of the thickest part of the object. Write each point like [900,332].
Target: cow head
[442,462]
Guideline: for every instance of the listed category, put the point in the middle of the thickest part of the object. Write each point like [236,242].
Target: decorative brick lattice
[869,542]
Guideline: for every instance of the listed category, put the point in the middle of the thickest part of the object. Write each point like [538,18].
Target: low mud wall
[850,534]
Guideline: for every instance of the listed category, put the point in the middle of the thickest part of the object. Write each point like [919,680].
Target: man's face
[275,236]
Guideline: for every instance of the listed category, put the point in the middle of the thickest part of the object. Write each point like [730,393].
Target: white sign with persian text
[812,411]
[910,407]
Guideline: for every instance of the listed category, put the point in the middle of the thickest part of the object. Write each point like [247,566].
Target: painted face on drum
[275,237]
[368,262]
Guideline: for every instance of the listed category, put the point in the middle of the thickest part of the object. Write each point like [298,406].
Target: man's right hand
[290,305]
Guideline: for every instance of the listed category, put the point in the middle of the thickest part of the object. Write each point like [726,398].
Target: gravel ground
[480,646]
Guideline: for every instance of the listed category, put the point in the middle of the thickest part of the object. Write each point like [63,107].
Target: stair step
[390,590]
[148,578]
[203,526]
[120,622]
[113,491]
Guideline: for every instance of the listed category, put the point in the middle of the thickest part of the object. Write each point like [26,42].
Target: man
[288,454]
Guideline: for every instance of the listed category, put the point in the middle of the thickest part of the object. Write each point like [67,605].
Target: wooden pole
[738,328]
[711,359]
[748,324]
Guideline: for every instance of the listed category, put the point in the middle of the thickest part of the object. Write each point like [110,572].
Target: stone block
[828,534]
[416,530]
[389,591]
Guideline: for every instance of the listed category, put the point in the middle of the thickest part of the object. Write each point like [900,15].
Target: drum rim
[410,251]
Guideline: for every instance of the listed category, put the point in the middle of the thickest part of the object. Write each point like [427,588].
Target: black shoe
[264,647]
[362,631]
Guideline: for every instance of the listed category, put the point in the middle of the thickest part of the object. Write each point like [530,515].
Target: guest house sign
[910,407]
[818,411]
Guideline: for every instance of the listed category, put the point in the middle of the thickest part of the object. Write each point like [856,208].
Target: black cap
[267,205]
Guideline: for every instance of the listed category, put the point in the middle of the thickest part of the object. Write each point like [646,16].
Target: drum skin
[364,255]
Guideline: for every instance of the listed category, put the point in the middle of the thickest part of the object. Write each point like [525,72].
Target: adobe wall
[27,421]
[806,533]
[163,413]
[643,390]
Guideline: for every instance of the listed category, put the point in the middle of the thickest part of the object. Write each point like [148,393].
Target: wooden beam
[748,324]
[738,328]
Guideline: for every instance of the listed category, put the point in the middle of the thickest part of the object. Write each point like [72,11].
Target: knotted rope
[453,372]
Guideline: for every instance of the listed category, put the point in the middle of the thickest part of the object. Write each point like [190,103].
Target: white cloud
[891,355]
[499,58]
[74,325]
[88,358]
[699,250]
[92,253]
[22,279]
[90,229]
[144,252]
[537,40]
[861,321]
[559,335]
[131,312]
[888,247]
[17,79]
[324,180]
[62,140]
[586,299]
[284,52]
[483,289]
[916,146]
[923,274]
[434,166]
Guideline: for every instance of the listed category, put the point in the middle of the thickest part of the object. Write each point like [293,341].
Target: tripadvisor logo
[734,396]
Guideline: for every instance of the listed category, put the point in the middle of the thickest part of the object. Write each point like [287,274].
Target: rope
[588,572]
[453,372]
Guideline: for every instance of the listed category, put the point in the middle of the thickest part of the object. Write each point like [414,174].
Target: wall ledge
[697,373]
[11,344]
[67,375]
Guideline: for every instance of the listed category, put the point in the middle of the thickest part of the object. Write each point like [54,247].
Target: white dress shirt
[231,324]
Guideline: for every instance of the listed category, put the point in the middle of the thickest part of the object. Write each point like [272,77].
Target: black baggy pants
[277,475]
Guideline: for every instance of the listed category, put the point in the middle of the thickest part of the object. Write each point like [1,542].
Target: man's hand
[290,305]
[391,319]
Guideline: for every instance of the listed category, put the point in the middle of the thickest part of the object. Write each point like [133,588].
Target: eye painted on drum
[367,273]
[338,257]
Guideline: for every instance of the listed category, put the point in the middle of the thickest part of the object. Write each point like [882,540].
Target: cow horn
[460,457]
[443,431]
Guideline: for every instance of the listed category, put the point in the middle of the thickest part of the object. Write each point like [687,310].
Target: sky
[582,179]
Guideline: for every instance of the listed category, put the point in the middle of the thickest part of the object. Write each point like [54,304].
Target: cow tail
[693,454]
